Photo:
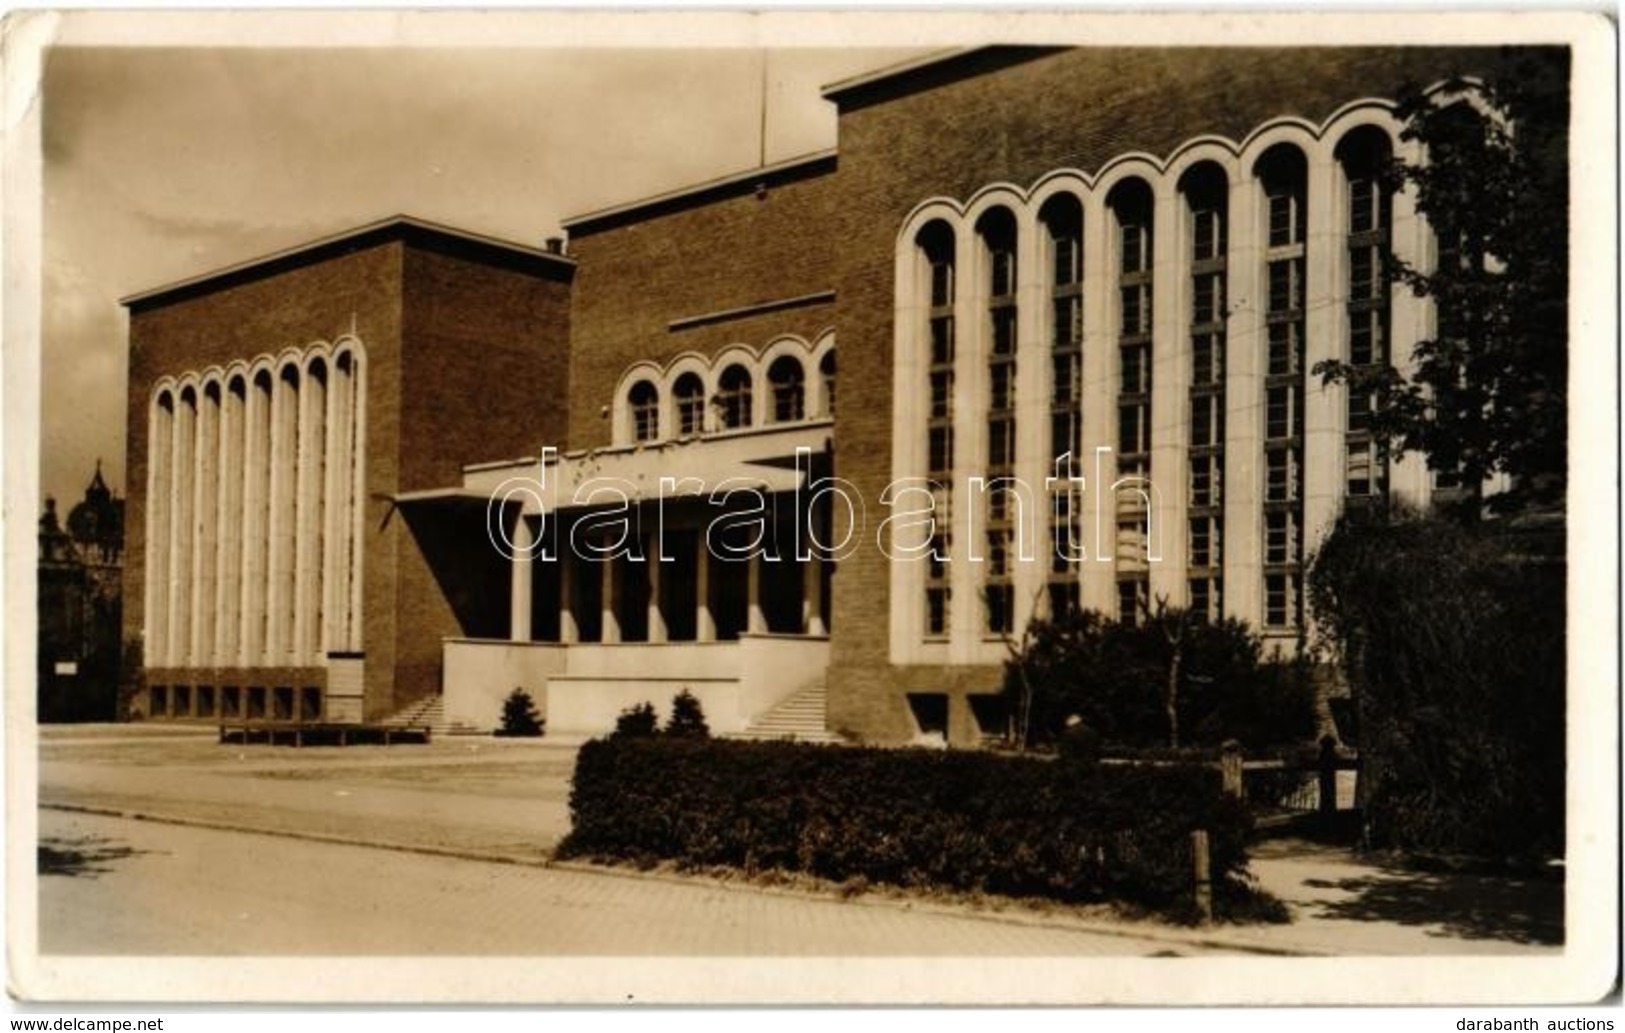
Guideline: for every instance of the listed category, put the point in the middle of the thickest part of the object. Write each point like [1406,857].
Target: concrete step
[801,718]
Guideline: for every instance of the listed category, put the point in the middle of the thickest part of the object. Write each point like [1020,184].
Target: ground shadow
[81,858]
[1514,909]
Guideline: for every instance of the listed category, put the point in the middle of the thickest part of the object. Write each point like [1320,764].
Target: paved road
[117,886]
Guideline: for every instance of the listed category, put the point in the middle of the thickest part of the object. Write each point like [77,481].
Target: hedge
[963,820]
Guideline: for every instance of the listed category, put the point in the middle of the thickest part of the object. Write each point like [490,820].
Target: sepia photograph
[811,508]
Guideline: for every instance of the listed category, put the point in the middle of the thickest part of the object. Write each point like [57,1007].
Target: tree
[519,716]
[637,722]
[1122,678]
[1487,394]
[687,718]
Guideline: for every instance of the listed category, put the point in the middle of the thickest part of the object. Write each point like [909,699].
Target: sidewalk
[507,800]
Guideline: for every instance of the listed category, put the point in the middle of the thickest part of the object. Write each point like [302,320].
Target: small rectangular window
[1281,475]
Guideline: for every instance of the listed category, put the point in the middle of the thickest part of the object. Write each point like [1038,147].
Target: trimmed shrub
[519,716]
[636,722]
[1453,641]
[1114,675]
[687,718]
[970,821]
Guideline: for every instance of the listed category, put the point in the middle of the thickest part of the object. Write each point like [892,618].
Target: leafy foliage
[1452,639]
[1114,676]
[1488,394]
[638,721]
[958,819]
[519,716]
[687,718]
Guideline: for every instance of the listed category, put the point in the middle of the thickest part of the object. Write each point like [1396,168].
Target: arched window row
[788,381]
[1094,256]
[255,478]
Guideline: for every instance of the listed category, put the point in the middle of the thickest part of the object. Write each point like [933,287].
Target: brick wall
[465,362]
[728,251]
[947,133]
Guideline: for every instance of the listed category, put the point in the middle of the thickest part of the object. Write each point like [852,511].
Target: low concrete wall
[589,706]
[772,668]
[582,688]
[480,673]
[654,659]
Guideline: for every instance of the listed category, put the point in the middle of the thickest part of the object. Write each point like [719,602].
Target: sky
[160,163]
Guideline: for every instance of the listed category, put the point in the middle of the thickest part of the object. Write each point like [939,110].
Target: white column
[965,607]
[205,477]
[160,429]
[705,625]
[357,500]
[180,532]
[1325,320]
[1242,554]
[1412,319]
[611,622]
[520,587]
[657,616]
[1098,516]
[812,597]
[228,520]
[256,447]
[566,564]
[1030,543]
[1170,394]
[308,508]
[335,511]
[755,619]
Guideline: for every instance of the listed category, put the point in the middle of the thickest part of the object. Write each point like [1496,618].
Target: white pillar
[520,588]
[755,619]
[812,597]
[180,532]
[657,616]
[357,500]
[1101,378]
[1170,395]
[610,632]
[705,625]
[204,479]
[1326,254]
[228,520]
[566,564]
[160,428]
[1242,489]
[335,511]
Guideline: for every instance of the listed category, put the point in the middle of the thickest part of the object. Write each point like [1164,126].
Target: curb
[1154,934]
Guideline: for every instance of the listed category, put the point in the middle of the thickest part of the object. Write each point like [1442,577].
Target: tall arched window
[1062,217]
[689,395]
[787,380]
[733,397]
[644,404]
[1363,155]
[1283,177]
[935,249]
[826,370]
[997,230]
[1206,193]
[1131,204]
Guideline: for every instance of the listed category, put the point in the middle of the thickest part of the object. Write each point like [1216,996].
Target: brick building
[1130,257]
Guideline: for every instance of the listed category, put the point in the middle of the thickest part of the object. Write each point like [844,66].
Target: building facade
[1077,296]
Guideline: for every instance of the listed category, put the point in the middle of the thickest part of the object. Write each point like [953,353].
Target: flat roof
[928,71]
[722,184]
[852,82]
[391,228]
